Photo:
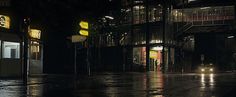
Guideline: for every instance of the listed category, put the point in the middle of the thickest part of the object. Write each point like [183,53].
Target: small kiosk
[35,52]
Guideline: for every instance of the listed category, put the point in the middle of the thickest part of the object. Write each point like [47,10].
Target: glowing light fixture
[205,7]
[202,70]
[157,48]
[211,69]
[109,17]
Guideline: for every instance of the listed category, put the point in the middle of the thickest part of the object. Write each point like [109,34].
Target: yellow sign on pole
[83,32]
[84,25]
[84,28]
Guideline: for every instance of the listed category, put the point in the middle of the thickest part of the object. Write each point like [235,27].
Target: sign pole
[75,57]
[83,33]
[88,64]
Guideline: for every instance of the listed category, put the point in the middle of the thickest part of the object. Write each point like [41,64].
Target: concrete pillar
[147,38]
[164,10]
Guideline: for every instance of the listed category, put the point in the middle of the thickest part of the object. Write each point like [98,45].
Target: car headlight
[202,70]
[211,69]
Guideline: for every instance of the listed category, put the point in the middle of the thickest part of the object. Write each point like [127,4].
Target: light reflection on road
[150,84]
[207,79]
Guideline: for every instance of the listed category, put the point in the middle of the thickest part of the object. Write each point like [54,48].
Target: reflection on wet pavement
[150,84]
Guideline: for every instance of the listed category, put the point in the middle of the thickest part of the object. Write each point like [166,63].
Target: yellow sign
[153,54]
[84,25]
[34,33]
[83,32]
[4,21]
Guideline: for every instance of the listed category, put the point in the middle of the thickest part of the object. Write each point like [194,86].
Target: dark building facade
[174,33]
[12,33]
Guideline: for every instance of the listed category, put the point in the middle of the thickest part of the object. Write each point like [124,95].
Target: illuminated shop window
[11,50]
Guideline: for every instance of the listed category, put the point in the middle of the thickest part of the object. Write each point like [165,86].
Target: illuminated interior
[11,50]
[139,57]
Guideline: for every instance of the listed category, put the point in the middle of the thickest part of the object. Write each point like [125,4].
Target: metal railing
[204,16]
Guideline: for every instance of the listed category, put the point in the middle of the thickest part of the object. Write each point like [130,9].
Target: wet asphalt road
[151,84]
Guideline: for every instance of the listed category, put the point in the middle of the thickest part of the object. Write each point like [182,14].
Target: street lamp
[109,17]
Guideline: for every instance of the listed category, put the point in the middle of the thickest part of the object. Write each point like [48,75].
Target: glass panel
[139,14]
[139,58]
[217,13]
[35,51]
[11,50]
[156,35]
[155,13]
[139,36]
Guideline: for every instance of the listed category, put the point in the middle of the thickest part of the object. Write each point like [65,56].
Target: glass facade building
[168,30]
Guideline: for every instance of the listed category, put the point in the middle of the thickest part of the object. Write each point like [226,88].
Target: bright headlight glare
[202,70]
[211,69]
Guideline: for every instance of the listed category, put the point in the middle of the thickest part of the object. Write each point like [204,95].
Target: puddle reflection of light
[211,79]
[203,80]
[207,79]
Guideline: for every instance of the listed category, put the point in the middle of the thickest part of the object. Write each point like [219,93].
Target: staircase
[210,24]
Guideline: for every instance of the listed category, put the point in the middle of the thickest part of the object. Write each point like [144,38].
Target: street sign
[83,25]
[84,28]
[78,38]
[83,32]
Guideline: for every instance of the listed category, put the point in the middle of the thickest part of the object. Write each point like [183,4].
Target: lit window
[11,50]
